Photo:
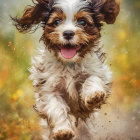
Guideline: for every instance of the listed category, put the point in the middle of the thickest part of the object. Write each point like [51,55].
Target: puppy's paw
[63,135]
[95,100]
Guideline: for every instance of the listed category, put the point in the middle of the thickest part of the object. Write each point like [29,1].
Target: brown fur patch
[33,15]
[95,100]
[80,78]
[84,15]
[50,33]
[110,11]
[63,135]
[56,14]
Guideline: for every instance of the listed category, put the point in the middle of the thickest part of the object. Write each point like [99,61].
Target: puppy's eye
[57,22]
[82,22]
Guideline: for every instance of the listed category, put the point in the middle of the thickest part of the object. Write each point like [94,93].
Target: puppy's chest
[69,89]
[70,83]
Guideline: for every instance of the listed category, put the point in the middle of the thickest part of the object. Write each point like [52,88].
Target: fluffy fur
[69,90]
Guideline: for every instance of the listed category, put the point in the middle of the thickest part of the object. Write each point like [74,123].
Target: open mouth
[69,51]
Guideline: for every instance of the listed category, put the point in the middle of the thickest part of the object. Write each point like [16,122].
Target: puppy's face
[70,30]
[71,27]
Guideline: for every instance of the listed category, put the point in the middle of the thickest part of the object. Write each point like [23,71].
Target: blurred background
[119,119]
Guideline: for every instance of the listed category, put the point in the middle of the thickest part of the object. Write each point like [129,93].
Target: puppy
[70,78]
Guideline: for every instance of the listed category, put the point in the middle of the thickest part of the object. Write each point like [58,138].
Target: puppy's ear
[32,16]
[110,10]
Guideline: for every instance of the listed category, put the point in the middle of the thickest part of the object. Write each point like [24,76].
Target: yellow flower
[19,92]
[16,95]
[1,84]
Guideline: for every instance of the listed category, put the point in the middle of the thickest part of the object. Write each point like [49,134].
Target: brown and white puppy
[69,75]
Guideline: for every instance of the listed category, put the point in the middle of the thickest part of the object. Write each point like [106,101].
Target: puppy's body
[60,88]
[69,75]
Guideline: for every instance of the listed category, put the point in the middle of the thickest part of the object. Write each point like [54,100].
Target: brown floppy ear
[33,15]
[110,10]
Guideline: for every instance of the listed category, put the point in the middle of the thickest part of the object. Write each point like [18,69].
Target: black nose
[68,34]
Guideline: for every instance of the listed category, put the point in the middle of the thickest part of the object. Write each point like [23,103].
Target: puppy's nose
[68,34]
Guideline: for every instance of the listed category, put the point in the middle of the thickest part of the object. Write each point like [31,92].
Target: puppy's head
[71,27]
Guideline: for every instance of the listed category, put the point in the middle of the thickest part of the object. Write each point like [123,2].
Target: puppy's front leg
[54,108]
[92,93]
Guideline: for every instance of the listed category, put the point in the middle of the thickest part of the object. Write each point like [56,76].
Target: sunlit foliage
[122,42]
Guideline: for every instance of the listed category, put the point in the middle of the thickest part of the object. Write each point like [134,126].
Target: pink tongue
[68,53]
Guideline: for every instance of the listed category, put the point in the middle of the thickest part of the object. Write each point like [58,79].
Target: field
[119,119]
